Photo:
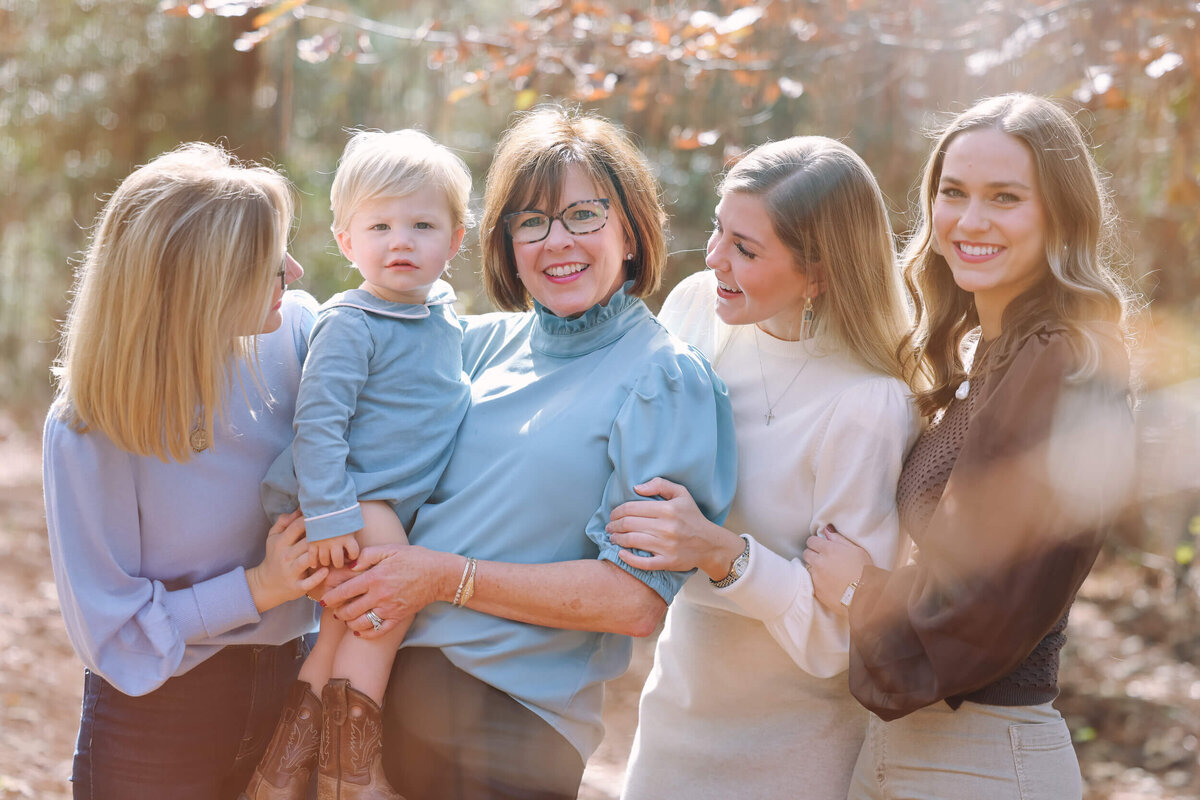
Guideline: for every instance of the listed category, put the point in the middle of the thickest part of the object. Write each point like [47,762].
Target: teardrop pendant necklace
[978,354]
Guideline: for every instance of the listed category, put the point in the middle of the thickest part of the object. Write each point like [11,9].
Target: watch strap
[737,567]
[848,594]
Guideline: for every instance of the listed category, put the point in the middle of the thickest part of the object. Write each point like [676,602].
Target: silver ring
[374,619]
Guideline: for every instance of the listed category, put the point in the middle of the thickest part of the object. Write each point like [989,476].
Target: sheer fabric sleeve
[1043,471]
[857,466]
[130,630]
[676,424]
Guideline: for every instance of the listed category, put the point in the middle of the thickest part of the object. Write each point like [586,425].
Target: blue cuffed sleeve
[676,424]
[337,368]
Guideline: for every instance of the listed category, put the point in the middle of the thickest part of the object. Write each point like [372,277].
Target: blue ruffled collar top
[598,327]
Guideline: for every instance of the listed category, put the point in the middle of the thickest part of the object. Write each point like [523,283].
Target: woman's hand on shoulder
[834,562]
[284,573]
[674,532]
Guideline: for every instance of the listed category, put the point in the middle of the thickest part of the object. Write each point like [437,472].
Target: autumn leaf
[525,99]
[1183,191]
[171,9]
[463,92]
[272,14]
[744,77]
[689,139]
[1114,99]
[662,32]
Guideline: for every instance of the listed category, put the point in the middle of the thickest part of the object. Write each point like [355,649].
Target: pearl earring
[629,256]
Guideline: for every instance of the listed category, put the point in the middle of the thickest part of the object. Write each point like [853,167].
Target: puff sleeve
[676,424]
[857,464]
[129,629]
[1043,471]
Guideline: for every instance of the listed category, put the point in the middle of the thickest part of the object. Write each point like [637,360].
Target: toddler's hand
[335,552]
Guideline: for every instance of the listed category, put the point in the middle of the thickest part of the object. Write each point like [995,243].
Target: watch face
[739,565]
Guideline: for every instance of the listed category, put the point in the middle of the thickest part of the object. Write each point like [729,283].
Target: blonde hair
[1080,288]
[394,164]
[530,166]
[827,208]
[179,269]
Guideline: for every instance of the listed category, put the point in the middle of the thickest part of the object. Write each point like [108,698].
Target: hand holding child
[284,572]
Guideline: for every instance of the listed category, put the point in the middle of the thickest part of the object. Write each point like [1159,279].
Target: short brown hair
[529,169]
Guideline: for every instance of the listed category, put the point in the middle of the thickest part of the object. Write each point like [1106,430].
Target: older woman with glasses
[522,606]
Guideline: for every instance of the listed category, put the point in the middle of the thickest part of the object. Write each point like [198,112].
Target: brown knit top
[1007,497]
[922,483]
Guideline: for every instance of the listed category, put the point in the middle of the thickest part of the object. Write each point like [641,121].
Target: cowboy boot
[283,771]
[350,766]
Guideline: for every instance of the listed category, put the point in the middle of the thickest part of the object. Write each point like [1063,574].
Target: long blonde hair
[1080,288]
[176,277]
[827,208]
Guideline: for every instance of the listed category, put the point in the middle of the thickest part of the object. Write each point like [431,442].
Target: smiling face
[758,280]
[569,273]
[989,221]
[401,244]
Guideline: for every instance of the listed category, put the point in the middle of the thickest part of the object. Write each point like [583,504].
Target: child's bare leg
[318,666]
[368,663]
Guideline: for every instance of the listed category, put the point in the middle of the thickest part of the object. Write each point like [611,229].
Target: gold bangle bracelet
[466,585]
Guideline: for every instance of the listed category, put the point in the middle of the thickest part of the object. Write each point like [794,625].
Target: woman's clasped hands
[835,563]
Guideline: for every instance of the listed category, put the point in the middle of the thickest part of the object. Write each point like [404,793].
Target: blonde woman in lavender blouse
[177,381]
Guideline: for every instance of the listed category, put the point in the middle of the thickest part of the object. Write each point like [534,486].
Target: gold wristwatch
[848,595]
[737,568]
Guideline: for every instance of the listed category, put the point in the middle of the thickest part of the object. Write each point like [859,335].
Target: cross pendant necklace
[770,415]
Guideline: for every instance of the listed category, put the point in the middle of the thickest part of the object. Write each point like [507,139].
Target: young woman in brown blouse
[1009,492]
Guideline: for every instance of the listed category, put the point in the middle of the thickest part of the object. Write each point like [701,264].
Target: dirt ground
[1131,684]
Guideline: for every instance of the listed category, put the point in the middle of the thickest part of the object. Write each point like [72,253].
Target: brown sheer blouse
[1007,496]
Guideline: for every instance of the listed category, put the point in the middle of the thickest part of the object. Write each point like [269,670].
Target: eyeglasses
[283,281]
[583,216]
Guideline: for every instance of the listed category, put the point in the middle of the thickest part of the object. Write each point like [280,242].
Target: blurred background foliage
[91,88]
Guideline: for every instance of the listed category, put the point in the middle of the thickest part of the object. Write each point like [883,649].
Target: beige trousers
[979,752]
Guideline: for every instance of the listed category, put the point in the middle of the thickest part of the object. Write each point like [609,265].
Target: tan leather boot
[350,766]
[284,770]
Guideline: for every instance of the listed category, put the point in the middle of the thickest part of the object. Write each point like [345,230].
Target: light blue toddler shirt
[382,395]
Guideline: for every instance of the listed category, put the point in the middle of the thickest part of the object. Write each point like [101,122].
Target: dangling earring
[806,319]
